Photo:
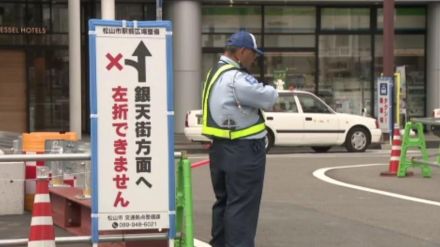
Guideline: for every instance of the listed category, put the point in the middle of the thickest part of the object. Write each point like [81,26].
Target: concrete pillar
[433,58]
[108,9]
[75,67]
[186,18]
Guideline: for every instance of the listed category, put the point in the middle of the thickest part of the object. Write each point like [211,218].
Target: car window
[311,104]
[285,103]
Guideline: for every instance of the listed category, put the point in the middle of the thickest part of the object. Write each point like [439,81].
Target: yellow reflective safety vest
[209,127]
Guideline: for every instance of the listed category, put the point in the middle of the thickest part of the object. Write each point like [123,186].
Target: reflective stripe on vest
[209,127]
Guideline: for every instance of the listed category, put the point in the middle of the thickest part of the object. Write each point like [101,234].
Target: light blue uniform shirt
[234,88]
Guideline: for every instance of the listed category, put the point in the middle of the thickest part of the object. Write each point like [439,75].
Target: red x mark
[114,61]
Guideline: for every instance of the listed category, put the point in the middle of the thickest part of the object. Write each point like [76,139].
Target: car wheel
[357,140]
[268,141]
[321,149]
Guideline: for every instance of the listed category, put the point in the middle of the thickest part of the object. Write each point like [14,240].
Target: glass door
[290,70]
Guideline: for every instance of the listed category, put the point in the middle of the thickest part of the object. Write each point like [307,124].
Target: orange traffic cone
[395,153]
[42,232]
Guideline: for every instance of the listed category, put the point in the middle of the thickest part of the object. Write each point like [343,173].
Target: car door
[321,124]
[285,121]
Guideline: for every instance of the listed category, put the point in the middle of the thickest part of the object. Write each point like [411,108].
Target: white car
[300,118]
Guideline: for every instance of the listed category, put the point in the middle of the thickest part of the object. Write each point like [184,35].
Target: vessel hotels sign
[22,30]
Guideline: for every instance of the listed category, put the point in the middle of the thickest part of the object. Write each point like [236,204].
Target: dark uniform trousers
[237,174]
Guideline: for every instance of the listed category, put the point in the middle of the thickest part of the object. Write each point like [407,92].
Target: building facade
[331,48]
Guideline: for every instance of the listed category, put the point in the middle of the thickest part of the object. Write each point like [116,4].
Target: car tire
[321,149]
[357,140]
[269,140]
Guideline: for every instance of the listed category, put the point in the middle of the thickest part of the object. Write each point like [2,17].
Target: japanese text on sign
[133,167]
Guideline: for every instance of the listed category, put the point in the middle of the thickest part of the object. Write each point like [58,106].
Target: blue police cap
[243,39]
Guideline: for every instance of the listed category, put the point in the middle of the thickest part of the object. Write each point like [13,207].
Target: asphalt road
[298,209]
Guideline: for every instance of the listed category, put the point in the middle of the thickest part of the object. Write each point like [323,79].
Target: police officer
[232,103]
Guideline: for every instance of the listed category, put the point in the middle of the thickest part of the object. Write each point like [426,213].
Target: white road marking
[320,174]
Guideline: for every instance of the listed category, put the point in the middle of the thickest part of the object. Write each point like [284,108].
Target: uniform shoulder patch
[250,79]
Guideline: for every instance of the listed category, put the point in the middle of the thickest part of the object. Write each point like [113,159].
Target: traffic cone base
[42,232]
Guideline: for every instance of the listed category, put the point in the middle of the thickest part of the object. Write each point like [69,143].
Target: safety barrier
[418,141]
[34,143]
[184,206]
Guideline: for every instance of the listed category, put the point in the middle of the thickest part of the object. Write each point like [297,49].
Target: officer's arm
[252,93]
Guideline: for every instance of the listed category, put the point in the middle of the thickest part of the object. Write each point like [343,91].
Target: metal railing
[56,157]
[184,203]
[88,239]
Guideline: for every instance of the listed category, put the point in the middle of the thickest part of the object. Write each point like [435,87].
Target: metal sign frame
[94,114]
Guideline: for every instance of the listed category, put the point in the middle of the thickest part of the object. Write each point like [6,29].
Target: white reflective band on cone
[42,221]
[41,198]
[45,243]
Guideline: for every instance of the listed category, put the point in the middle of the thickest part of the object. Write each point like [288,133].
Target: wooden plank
[13,91]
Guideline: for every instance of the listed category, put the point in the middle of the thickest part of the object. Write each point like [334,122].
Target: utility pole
[388,38]
[388,53]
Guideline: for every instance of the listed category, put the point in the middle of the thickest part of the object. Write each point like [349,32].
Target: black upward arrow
[141,52]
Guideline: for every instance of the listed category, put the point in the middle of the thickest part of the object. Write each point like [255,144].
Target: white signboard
[384,87]
[132,153]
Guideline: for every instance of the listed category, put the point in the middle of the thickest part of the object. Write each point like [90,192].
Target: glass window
[150,11]
[345,72]
[209,60]
[38,15]
[345,18]
[289,41]
[406,18]
[48,76]
[12,39]
[12,14]
[46,16]
[34,15]
[409,51]
[290,70]
[229,19]
[285,103]
[219,40]
[129,11]
[142,10]
[311,104]
[48,39]
[60,22]
[283,19]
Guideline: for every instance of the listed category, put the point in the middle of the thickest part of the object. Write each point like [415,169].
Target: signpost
[132,132]
[385,102]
